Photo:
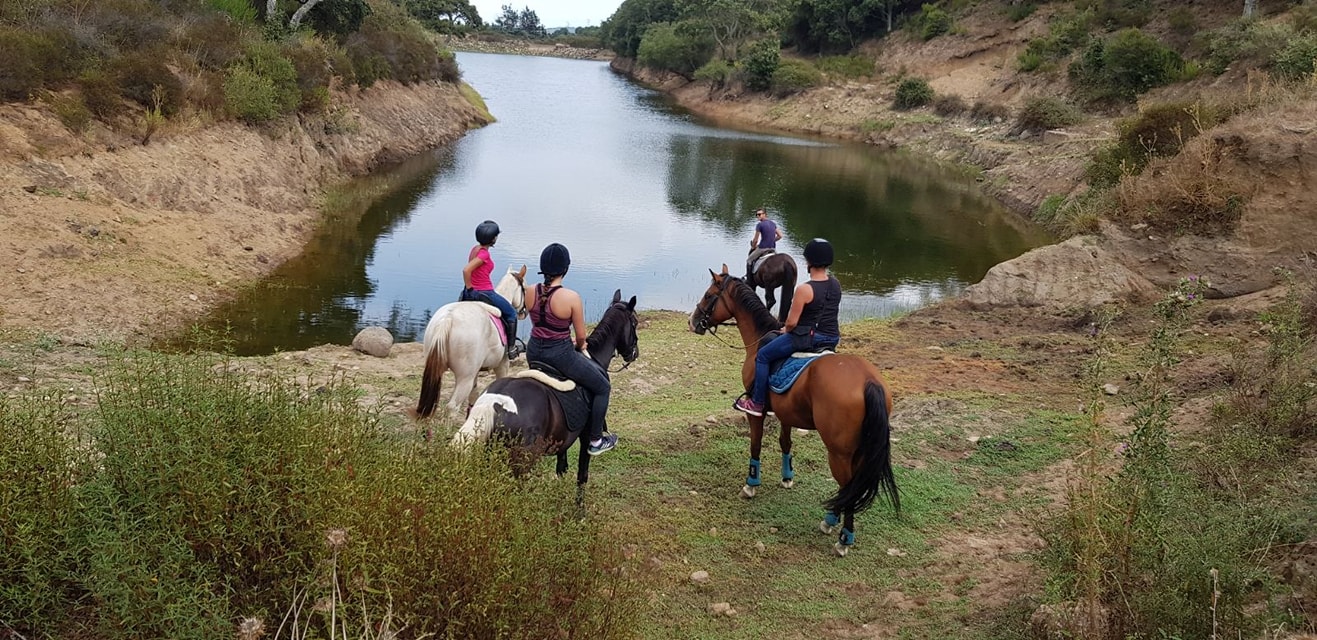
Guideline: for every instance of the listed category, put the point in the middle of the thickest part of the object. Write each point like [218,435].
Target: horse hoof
[747,492]
[827,528]
[787,484]
[841,549]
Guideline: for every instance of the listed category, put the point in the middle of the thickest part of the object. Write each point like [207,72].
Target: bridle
[628,358]
[521,291]
[706,307]
[705,311]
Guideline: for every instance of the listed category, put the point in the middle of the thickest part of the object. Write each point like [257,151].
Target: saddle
[574,399]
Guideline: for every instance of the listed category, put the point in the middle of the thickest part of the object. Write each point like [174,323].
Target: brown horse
[843,397]
[777,271]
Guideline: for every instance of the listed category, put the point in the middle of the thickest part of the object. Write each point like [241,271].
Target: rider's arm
[778,232]
[804,295]
[468,269]
[754,242]
[578,319]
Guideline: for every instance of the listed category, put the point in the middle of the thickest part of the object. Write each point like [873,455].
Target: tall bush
[793,76]
[681,48]
[760,63]
[1125,65]
[912,93]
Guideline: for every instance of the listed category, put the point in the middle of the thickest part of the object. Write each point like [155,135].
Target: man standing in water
[765,242]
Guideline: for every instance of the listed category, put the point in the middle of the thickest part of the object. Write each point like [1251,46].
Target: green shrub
[912,93]
[139,74]
[310,57]
[718,72]
[391,45]
[1125,65]
[42,461]
[760,63]
[932,21]
[1297,60]
[71,110]
[793,76]
[101,93]
[1066,33]
[852,66]
[240,10]
[680,48]
[1041,114]
[1245,40]
[34,59]
[1115,14]
[251,97]
[1029,60]
[985,112]
[949,105]
[216,42]
[1020,10]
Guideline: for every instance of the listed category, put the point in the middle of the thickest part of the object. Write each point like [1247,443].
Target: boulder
[375,341]
[1077,273]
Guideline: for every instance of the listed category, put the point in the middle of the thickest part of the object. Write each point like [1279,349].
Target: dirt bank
[526,48]
[104,237]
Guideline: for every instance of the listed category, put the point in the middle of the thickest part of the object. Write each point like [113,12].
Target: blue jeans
[561,355]
[780,348]
[506,311]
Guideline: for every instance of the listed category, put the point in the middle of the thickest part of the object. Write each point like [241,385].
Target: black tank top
[821,312]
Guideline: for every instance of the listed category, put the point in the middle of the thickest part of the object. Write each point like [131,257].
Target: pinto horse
[463,337]
[777,271]
[526,413]
[843,397]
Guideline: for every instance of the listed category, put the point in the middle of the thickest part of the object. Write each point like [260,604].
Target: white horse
[462,337]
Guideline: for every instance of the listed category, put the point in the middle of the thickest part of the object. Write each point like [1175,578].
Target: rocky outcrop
[1076,274]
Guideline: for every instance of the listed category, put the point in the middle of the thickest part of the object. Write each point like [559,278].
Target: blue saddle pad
[780,381]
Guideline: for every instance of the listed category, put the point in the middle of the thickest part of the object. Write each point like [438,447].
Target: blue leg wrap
[752,480]
[847,537]
[832,519]
[787,472]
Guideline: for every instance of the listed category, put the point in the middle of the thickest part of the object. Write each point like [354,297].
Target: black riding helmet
[487,232]
[818,253]
[554,260]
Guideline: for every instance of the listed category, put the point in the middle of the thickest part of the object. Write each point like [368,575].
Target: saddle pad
[780,381]
[555,383]
[760,262]
[575,407]
[498,326]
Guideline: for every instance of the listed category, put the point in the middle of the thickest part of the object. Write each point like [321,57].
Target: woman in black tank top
[812,322]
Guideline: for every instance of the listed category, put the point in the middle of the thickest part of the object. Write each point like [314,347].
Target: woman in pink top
[479,286]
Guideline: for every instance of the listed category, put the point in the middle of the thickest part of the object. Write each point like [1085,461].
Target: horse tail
[872,464]
[480,422]
[436,361]
[788,289]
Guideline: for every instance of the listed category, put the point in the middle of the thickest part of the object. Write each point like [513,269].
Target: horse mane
[747,299]
[608,326]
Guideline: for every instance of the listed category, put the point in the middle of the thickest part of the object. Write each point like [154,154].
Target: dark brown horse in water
[777,271]
[526,411]
[843,397]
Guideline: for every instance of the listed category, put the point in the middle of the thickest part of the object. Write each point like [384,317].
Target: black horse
[777,271]
[533,411]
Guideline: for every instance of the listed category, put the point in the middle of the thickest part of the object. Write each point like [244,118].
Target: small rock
[262,259]
[24,379]
[32,188]
[192,297]
[896,553]
[934,348]
[759,546]
[249,248]
[700,577]
[21,270]
[375,341]
[711,419]
[772,529]
[1110,389]
[722,609]
[1138,227]
[713,531]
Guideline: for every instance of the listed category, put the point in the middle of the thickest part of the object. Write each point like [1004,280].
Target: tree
[529,23]
[1250,7]
[731,22]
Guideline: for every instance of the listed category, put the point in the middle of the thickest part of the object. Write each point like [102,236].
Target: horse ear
[724,268]
[521,275]
[713,275]
[631,304]
[617,296]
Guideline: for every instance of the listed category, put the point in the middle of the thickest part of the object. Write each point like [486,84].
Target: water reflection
[647,199]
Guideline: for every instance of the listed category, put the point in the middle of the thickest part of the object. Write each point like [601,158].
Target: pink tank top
[545,325]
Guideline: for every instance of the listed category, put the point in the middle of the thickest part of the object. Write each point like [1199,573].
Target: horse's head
[513,289]
[715,307]
[628,340]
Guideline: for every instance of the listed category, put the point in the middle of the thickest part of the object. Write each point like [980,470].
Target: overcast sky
[553,13]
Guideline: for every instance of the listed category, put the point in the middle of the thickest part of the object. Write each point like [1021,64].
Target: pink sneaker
[745,405]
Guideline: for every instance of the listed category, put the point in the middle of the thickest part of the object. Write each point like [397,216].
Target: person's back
[556,313]
[763,243]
